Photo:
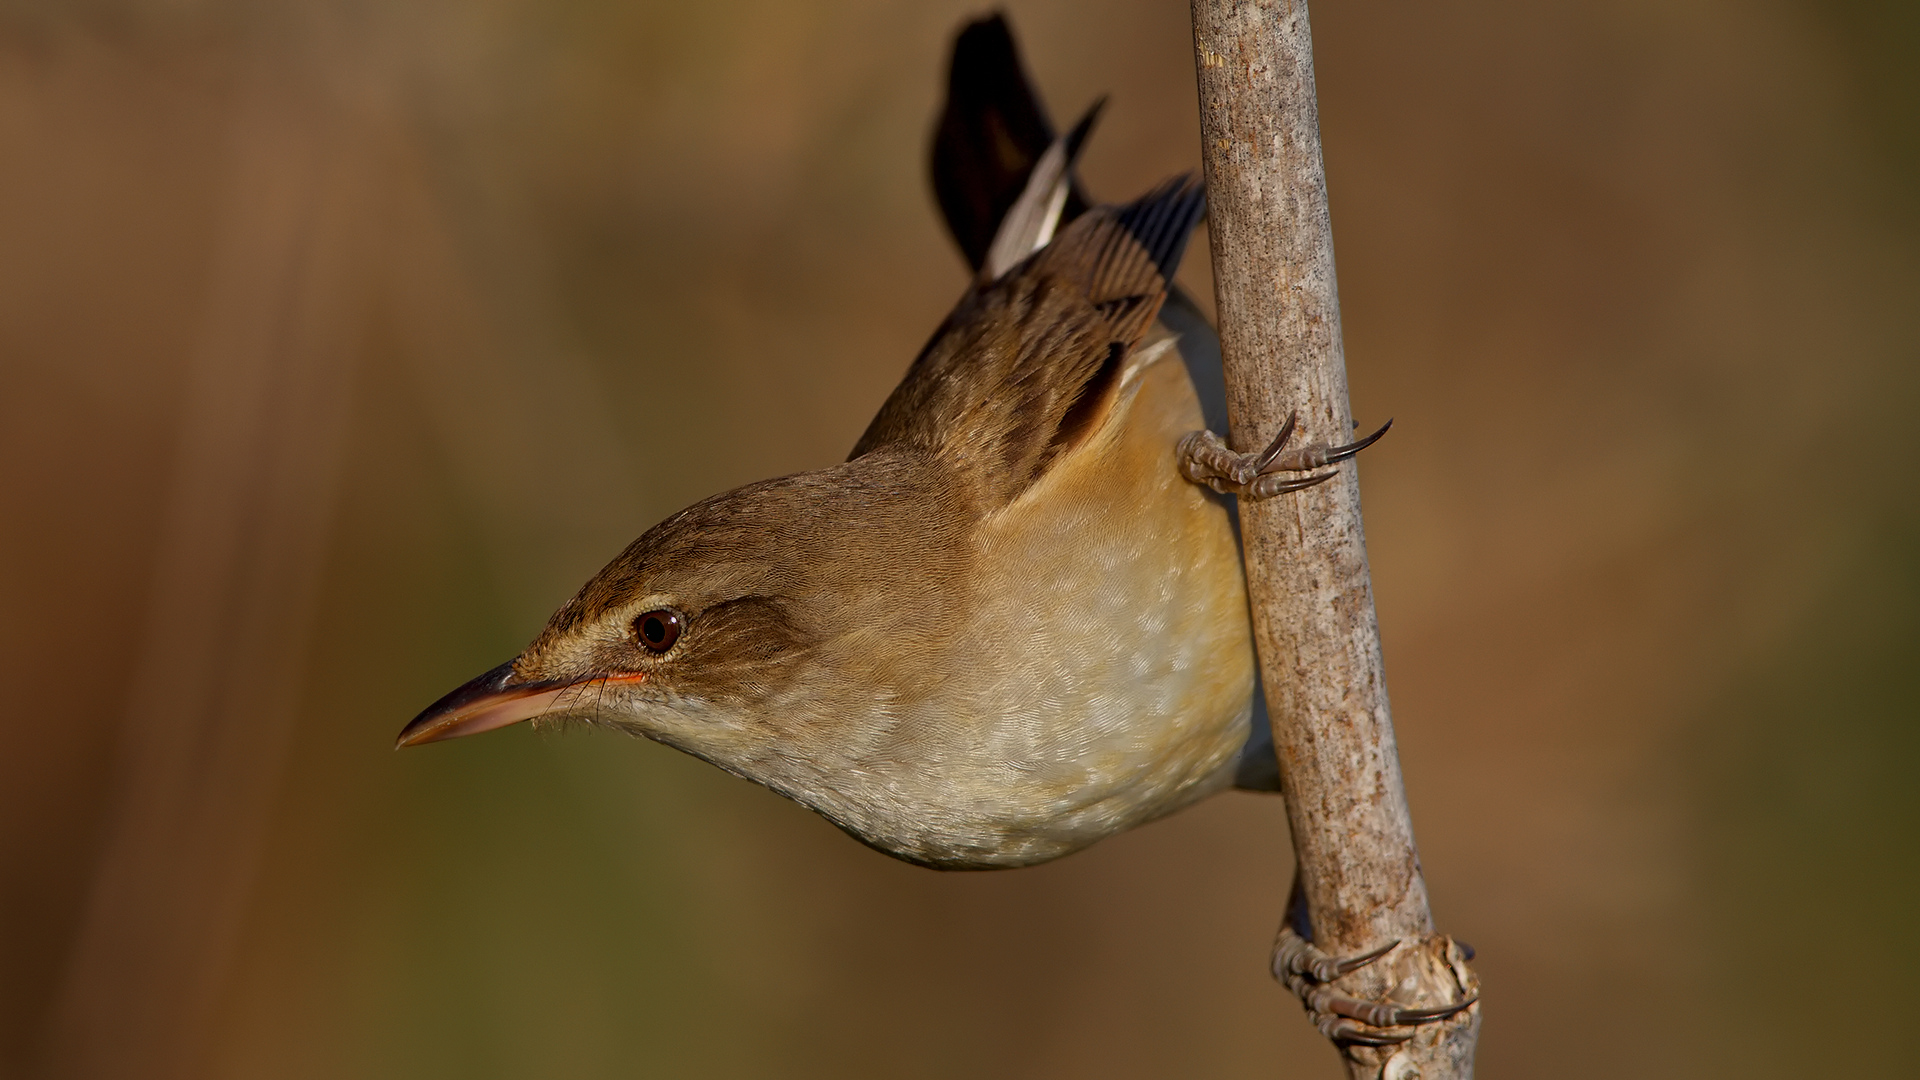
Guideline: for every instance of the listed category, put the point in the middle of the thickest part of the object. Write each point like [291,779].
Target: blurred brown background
[340,341]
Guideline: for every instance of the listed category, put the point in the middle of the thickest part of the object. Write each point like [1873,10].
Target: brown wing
[1025,364]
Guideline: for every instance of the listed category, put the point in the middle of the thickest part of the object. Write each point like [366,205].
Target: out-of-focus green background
[340,341]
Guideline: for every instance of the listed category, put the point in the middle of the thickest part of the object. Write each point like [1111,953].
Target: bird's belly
[1106,675]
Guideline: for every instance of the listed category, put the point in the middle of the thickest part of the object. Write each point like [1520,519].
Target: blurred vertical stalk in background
[1312,595]
[219,672]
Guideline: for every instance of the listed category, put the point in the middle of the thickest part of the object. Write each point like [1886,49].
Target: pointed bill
[493,700]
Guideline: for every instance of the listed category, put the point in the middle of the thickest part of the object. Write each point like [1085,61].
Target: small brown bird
[1013,622]
[1006,627]
[1010,624]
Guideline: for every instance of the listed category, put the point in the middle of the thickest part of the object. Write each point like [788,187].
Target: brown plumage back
[1025,365]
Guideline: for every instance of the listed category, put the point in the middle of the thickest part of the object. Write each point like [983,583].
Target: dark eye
[658,629]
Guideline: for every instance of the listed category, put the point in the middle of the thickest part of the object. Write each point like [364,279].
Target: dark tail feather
[990,135]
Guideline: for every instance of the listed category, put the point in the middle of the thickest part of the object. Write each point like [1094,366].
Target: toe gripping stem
[1206,459]
[1309,973]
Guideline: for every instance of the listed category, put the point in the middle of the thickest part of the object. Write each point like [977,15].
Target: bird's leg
[1206,459]
[1309,973]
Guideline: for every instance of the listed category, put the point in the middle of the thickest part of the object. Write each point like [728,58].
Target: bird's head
[734,629]
[687,636]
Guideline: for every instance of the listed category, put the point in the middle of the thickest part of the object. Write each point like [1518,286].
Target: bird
[1012,623]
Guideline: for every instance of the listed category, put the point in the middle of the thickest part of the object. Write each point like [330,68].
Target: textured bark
[1314,622]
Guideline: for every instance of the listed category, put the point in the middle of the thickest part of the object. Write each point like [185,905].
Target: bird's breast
[1103,674]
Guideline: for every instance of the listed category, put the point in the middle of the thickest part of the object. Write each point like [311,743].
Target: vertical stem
[1312,595]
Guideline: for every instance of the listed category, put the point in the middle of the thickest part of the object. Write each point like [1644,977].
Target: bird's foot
[1309,973]
[1206,459]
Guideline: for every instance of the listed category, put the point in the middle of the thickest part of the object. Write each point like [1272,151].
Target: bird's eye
[658,629]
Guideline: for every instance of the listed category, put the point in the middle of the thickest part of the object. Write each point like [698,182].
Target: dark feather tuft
[1163,220]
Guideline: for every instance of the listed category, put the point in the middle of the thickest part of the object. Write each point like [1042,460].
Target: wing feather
[1026,364]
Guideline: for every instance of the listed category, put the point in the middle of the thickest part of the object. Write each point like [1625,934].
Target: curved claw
[1437,1012]
[1206,459]
[1341,1030]
[1373,1013]
[1303,959]
[1272,452]
[1342,453]
[1334,966]
[1270,485]
[1384,1013]
[1373,1023]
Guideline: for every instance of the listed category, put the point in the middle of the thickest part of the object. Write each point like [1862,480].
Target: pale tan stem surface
[1314,622]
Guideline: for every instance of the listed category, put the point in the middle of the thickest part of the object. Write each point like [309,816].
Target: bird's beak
[493,700]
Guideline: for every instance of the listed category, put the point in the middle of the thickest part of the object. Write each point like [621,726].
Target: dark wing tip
[1162,221]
